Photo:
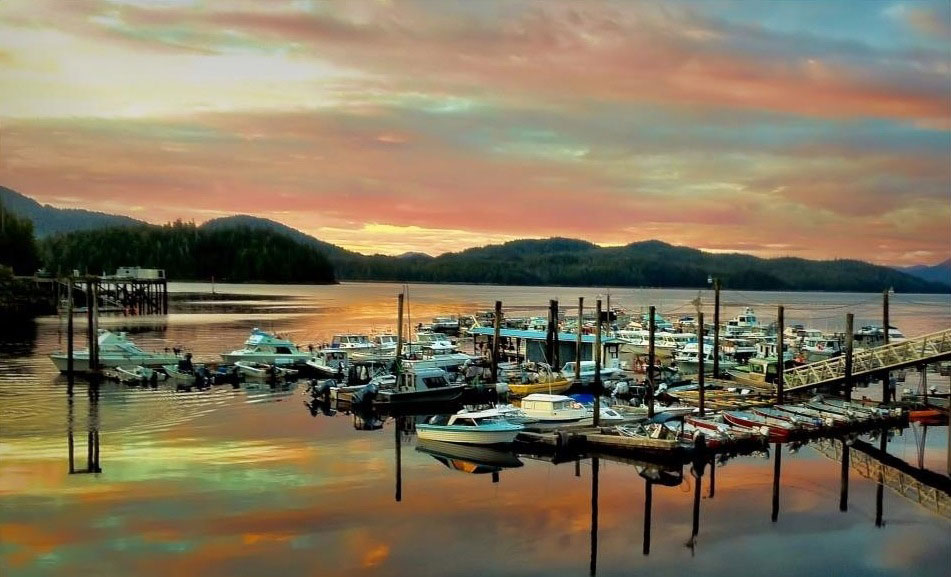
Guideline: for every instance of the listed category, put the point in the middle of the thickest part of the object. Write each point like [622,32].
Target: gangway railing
[921,350]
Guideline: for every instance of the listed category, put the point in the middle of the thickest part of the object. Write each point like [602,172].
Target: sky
[812,129]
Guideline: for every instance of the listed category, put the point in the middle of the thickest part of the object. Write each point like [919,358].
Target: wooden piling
[886,385]
[595,473]
[651,359]
[399,331]
[849,345]
[880,489]
[716,328]
[596,385]
[578,343]
[556,346]
[69,334]
[780,357]
[648,509]
[399,452]
[495,341]
[700,354]
[550,335]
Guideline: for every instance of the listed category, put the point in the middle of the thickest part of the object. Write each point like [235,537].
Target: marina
[293,424]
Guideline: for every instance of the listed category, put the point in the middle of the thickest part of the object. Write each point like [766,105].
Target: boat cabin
[422,379]
[350,342]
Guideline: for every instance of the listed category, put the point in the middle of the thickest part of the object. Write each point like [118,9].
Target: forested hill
[186,252]
[48,220]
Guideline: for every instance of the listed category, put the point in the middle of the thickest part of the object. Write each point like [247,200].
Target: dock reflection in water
[248,482]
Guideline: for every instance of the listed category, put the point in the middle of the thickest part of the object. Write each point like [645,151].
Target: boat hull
[450,393]
[523,390]
[81,361]
[777,433]
[468,435]
[266,358]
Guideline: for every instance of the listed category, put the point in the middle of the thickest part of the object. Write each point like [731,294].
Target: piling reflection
[92,436]
[595,474]
[844,482]
[777,469]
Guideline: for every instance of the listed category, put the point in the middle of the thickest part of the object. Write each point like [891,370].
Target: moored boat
[265,347]
[779,430]
[115,350]
[421,384]
[553,408]
[473,428]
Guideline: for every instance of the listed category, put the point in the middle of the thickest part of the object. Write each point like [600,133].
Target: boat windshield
[435,382]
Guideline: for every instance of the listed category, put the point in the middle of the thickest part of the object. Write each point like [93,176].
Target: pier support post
[69,335]
[556,342]
[495,341]
[596,385]
[648,507]
[550,335]
[886,385]
[651,359]
[780,356]
[716,328]
[700,354]
[399,331]
[849,345]
[578,342]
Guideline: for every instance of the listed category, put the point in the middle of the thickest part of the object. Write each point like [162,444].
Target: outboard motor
[321,388]
[365,395]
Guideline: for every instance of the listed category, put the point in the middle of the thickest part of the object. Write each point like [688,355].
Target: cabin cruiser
[660,323]
[268,348]
[445,325]
[873,336]
[115,350]
[354,342]
[688,359]
[815,349]
[330,362]
[432,344]
[553,408]
[385,344]
[419,384]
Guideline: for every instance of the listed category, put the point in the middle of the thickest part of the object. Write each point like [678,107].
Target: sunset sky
[814,129]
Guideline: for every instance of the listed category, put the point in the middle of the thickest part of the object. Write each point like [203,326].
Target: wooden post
[648,507]
[777,466]
[844,483]
[94,358]
[880,490]
[495,341]
[713,476]
[550,335]
[578,342]
[556,342]
[399,332]
[716,328]
[651,359]
[886,386]
[596,385]
[698,477]
[849,345]
[700,354]
[69,333]
[780,358]
[399,451]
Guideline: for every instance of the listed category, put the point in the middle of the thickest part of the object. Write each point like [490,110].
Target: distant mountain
[48,220]
[940,272]
[257,223]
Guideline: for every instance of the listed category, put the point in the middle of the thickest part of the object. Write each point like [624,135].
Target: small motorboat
[137,375]
[688,433]
[479,428]
[473,459]
[553,408]
[263,371]
[417,385]
[779,430]
[830,419]
[115,350]
[810,423]
[718,425]
[265,347]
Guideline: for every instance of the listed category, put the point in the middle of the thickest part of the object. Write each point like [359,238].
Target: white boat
[429,343]
[255,370]
[384,344]
[265,347]
[355,343]
[608,414]
[330,362]
[820,348]
[688,360]
[115,350]
[418,384]
[479,428]
[587,371]
[553,408]
[138,374]
[445,325]
[743,324]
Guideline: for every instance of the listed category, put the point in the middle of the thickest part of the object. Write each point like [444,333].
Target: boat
[432,343]
[688,433]
[138,374]
[552,408]
[473,459]
[471,428]
[779,430]
[830,419]
[330,362]
[587,371]
[115,349]
[720,425]
[262,371]
[527,378]
[509,412]
[814,349]
[420,384]
[448,325]
[688,362]
[759,372]
[858,408]
[265,347]
[811,423]
[745,323]
[658,435]
[384,344]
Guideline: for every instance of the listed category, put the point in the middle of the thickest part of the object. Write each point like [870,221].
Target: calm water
[248,482]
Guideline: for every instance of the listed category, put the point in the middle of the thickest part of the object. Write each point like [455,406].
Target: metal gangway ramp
[918,351]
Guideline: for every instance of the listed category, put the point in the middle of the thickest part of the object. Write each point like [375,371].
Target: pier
[135,293]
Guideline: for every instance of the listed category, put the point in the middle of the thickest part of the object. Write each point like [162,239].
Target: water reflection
[92,438]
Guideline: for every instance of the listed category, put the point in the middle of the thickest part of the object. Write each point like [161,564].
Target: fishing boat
[779,430]
[384,344]
[553,408]
[420,384]
[352,342]
[815,349]
[432,343]
[115,349]
[269,348]
[262,371]
[330,362]
[688,359]
[745,323]
[478,428]
[587,371]
[448,325]
[526,378]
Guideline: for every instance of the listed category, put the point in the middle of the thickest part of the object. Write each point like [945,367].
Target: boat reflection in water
[471,459]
